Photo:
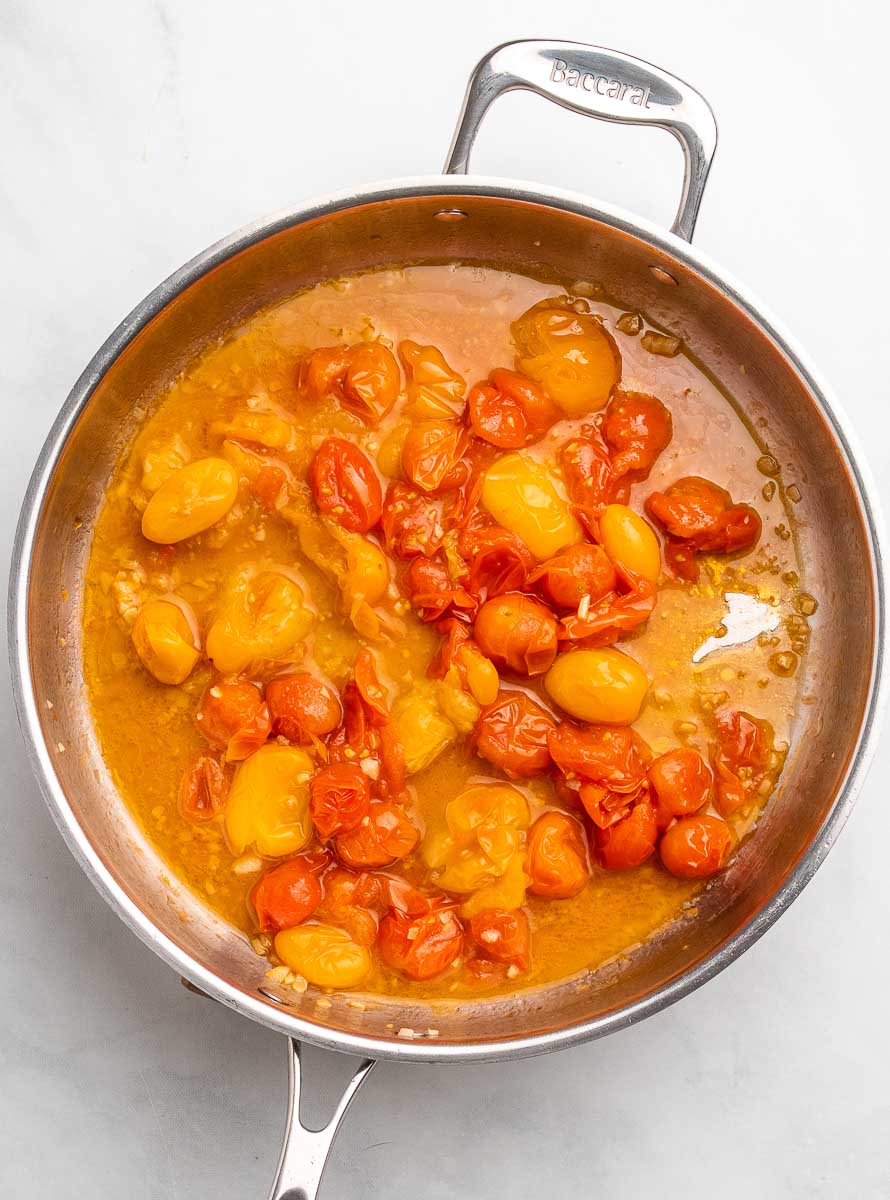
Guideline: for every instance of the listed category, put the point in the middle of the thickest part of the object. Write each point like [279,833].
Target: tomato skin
[233,717]
[203,790]
[433,388]
[302,707]
[557,857]
[345,485]
[517,632]
[432,592]
[383,836]
[629,842]
[741,759]
[637,428]
[421,947]
[681,784]
[502,936]
[611,616]
[510,410]
[288,894]
[432,455]
[589,478]
[576,572]
[364,378]
[696,847]
[339,798]
[512,734]
[498,560]
[411,522]
[344,904]
[700,517]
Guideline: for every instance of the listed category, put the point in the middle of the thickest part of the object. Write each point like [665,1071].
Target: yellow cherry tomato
[604,687]
[630,541]
[422,728]
[268,804]
[367,570]
[485,829]
[165,638]
[569,353]
[482,675]
[261,618]
[190,501]
[520,494]
[458,706]
[507,893]
[324,955]
[264,428]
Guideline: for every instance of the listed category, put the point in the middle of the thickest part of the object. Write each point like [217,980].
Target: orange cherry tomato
[203,790]
[696,847]
[270,487]
[288,894]
[613,755]
[502,936]
[411,522]
[344,904]
[628,842]
[433,455]
[498,560]
[433,388]
[339,798]
[364,378]
[698,516]
[345,485]
[432,591]
[741,759]
[681,784]
[421,947]
[512,734]
[637,428]
[510,410]
[576,572]
[233,717]
[557,857]
[302,707]
[385,834]
[517,632]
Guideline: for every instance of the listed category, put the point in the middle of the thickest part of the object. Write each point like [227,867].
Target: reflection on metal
[746,619]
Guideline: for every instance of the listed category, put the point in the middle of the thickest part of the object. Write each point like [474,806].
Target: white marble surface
[133,135]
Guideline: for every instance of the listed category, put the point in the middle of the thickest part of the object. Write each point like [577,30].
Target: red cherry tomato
[433,455]
[613,755]
[456,636]
[557,857]
[637,428]
[681,784]
[421,947]
[234,718]
[576,572]
[511,410]
[589,477]
[364,378]
[203,790]
[339,798]
[343,905]
[502,937]
[517,632]
[696,847]
[345,485]
[497,559]
[432,591]
[302,707]
[383,836]
[628,842]
[512,734]
[411,522]
[741,759]
[288,894]
[698,516]
[613,615]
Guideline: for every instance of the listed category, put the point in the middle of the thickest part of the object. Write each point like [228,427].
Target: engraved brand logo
[561,72]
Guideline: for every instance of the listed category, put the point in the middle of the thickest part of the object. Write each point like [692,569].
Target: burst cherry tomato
[698,516]
[411,521]
[576,572]
[518,632]
[498,560]
[741,758]
[587,469]
[696,847]
[234,718]
[502,936]
[302,707]
[612,755]
[270,486]
[421,947]
[432,455]
[203,790]
[432,591]
[511,410]
[344,904]
[681,784]
[512,735]
[339,798]
[345,485]
[384,835]
[557,857]
[637,428]
[287,895]
[364,378]
[628,842]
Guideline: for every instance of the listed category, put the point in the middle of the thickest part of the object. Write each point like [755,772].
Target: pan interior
[558,245]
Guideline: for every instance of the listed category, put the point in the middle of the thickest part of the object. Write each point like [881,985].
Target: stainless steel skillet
[534,230]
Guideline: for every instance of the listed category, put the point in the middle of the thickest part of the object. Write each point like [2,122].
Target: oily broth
[146,730]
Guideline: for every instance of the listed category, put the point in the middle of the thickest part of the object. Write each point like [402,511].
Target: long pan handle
[304,1153]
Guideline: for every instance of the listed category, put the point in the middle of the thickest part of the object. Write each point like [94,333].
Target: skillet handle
[305,1151]
[595,82]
